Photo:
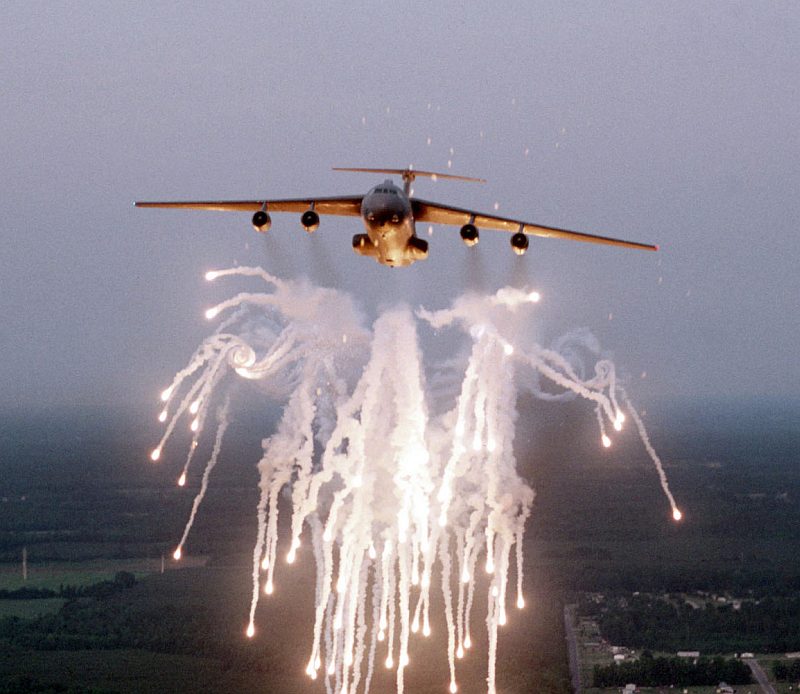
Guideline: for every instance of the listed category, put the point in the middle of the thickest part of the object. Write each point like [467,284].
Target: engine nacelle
[364,246]
[519,242]
[310,221]
[261,222]
[417,248]
[469,234]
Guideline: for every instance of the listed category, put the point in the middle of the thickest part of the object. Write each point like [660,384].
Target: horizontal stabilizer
[411,174]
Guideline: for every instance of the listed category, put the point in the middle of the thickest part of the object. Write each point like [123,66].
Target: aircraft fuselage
[389,222]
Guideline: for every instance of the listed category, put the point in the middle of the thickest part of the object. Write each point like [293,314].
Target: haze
[674,124]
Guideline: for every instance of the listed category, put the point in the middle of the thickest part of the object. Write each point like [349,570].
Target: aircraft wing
[346,206]
[435,213]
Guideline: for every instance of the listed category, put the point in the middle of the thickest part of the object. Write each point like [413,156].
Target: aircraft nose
[383,217]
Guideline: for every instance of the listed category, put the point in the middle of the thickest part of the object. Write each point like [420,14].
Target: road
[760,675]
[572,648]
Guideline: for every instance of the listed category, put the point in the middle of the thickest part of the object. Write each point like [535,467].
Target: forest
[766,625]
[648,671]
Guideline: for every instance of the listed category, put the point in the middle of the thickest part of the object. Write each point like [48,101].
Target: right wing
[344,206]
[425,211]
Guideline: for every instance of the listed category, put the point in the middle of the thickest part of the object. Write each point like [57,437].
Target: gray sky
[675,124]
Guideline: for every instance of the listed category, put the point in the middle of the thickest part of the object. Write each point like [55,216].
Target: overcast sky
[676,124]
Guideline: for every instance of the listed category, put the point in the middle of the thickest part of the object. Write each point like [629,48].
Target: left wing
[435,213]
[345,206]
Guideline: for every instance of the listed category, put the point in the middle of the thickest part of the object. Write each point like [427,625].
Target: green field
[28,609]
[53,575]
[129,672]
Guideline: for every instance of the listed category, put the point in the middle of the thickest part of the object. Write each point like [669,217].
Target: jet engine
[417,248]
[469,234]
[363,246]
[310,221]
[261,222]
[519,242]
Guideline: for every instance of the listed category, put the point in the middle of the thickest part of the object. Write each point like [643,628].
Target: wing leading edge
[435,213]
[345,206]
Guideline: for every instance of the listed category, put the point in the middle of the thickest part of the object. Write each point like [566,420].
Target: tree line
[648,671]
[769,625]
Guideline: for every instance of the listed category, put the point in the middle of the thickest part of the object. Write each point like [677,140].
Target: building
[688,654]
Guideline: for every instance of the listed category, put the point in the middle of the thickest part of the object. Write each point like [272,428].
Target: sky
[673,123]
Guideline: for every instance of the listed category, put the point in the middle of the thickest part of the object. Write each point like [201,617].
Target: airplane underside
[395,245]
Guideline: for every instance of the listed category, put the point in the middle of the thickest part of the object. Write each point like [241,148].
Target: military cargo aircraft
[390,214]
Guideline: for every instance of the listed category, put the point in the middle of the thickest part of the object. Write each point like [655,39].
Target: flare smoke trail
[395,496]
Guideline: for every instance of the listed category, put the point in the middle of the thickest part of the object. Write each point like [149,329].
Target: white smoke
[394,496]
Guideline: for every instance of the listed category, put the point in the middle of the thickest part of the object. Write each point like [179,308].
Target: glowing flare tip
[426,630]
[156,454]
[212,313]
[534,297]
[194,407]
[165,394]
[676,514]
[460,652]
[251,630]
[163,416]
[195,425]
[606,441]
[453,688]
[269,588]
[176,555]
[182,480]
[211,275]
[520,603]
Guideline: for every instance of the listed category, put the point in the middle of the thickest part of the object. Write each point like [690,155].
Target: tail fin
[410,174]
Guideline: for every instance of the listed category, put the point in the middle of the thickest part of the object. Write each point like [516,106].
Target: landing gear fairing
[390,214]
